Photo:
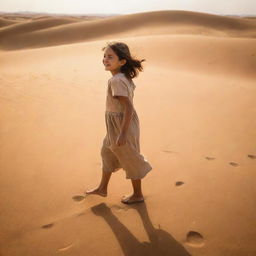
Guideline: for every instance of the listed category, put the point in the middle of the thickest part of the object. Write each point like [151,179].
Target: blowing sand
[196,104]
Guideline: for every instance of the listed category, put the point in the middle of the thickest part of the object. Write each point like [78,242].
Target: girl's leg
[103,187]
[137,196]
[136,184]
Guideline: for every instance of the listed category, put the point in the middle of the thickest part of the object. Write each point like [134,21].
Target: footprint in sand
[234,164]
[48,225]
[169,151]
[119,208]
[78,198]
[80,214]
[194,239]
[209,158]
[179,183]
[66,247]
[252,156]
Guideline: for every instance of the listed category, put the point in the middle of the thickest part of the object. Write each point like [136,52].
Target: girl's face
[111,61]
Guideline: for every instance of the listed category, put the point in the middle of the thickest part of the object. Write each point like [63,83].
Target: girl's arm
[128,110]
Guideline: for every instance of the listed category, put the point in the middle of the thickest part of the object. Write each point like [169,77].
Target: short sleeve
[118,87]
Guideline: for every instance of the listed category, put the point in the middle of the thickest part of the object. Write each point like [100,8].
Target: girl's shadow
[161,242]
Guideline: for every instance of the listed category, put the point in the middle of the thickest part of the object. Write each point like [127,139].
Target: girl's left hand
[121,140]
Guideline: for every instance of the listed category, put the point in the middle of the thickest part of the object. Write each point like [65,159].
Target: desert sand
[196,103]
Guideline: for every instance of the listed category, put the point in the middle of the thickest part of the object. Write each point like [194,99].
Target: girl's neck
[116,73]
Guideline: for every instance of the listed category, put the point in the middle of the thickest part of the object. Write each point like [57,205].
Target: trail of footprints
[179,183]
[231,163]
[193,238]
[213,158]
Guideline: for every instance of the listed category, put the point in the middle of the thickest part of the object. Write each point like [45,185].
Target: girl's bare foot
[97,191]
[132,199]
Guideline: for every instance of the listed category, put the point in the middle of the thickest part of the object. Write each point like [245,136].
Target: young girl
[121,145]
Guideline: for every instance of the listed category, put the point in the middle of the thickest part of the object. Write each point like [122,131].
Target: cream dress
[126,156]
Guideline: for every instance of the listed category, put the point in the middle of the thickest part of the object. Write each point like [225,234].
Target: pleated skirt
[127,156]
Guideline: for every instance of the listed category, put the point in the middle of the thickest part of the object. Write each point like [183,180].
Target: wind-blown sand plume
[159,22]
[196,103]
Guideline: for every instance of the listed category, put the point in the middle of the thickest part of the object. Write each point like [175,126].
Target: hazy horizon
[110,14]
[119,7]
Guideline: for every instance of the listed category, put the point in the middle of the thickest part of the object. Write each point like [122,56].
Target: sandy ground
[199,135]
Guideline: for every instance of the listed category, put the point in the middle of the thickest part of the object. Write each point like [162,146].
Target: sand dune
[17,17]
[6,22]
[196,104]
[30,26]
[45,33]
[40,17]
[221,56]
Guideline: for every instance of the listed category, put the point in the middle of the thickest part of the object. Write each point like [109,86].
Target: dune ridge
[6,22]
[30,26]
[211,56]
[50,32]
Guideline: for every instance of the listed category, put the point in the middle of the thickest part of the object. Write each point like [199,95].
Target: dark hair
[132,65]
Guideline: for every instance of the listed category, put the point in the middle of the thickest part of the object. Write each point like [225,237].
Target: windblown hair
[132,66]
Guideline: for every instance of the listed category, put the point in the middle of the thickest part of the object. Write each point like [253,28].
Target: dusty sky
[238,7]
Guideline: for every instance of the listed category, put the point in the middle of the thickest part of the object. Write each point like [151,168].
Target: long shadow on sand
[161,242]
